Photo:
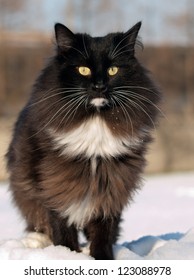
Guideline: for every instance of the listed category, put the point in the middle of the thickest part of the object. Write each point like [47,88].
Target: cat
[79,144]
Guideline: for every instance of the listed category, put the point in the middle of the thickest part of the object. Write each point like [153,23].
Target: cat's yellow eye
[84,71]
[113,70]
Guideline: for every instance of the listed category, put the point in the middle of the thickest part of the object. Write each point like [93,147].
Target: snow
[158,225]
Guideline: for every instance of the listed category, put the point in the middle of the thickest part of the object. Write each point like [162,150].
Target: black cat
[78,146]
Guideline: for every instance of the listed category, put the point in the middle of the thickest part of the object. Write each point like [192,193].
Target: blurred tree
[185,21]
[69,11]
[92,16]
[7,22]
[7,8]
[110,14]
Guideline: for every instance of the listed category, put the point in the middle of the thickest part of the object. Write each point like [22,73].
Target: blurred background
[27,40]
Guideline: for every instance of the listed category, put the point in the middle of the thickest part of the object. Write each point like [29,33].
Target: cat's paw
[36,240]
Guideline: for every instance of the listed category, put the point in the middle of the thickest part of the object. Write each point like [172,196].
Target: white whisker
[85,46]
[120,42]
[43,98]
[73,109]
[71,47]
[71,96]
[138,87]
[137,106]
[138,97]
[71,103]
[126,114]
[120,53]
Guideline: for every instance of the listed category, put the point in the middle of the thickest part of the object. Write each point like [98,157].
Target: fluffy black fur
[50,181]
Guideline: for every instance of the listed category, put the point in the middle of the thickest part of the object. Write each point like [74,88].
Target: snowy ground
[158,225]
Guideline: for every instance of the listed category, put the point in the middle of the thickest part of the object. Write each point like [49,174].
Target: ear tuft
[64,36]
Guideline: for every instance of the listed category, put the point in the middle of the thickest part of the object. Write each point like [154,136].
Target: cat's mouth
[100,102]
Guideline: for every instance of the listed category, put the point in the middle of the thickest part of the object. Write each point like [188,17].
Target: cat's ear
[64,36]
[132,34]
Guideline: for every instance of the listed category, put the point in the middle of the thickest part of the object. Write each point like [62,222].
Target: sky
[158,17]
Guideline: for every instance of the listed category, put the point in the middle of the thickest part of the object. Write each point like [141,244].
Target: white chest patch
[92,138]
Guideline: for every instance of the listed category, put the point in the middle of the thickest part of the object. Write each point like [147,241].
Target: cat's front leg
[62,234]
[102,233]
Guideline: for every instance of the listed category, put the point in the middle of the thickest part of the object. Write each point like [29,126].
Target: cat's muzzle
[99,102]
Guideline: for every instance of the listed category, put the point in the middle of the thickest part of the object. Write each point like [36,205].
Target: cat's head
[95,75]
[96,67]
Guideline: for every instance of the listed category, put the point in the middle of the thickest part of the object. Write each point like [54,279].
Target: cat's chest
[92,138]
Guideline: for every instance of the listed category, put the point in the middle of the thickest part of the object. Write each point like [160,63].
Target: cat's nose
[100,87]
